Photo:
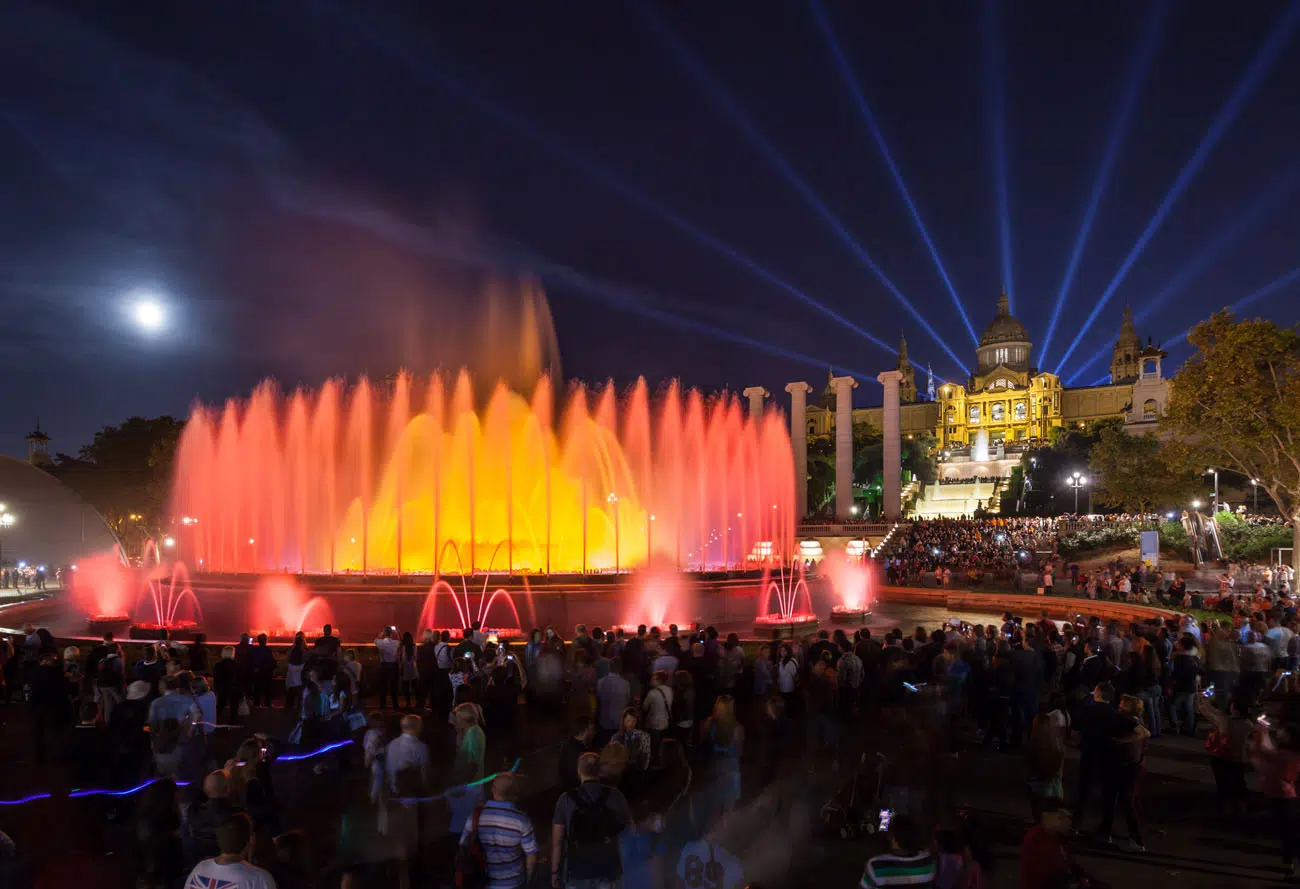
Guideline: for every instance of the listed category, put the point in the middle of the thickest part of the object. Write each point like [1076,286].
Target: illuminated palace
[1007,405]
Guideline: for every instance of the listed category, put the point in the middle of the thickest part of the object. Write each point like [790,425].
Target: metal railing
[845,529]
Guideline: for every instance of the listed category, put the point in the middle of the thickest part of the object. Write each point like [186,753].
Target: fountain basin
[631,629]
[844,614]
[785,623]
[107,623]
[510,634]
[284,635]
[181,631]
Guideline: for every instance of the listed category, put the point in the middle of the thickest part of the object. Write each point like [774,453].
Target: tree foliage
[125,471]
[1235,404]
[1242,541]
[1130,473]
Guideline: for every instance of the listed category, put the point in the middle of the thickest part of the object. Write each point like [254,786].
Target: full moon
[148,314]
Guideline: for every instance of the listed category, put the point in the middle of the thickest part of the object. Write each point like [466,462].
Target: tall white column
[844,387]
[799,444]
[893,468]
[755,394]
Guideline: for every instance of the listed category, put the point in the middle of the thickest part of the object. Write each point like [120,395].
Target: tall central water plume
[401,477]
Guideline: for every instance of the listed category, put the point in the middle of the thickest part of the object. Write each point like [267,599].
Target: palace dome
[1004,328]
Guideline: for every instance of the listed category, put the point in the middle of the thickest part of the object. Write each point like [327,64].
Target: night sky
[327,188]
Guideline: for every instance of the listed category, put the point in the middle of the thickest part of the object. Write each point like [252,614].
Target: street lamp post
[1215,473]
[1077,480]
[1254,486]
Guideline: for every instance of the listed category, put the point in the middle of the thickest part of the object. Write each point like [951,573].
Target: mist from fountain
[104,588]
[852,583]
[281,608]
[660,597]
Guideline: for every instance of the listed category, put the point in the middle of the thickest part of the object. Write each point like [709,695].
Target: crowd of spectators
[675,748]
[965,550]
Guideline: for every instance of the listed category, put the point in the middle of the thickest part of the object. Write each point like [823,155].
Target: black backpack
[593,838]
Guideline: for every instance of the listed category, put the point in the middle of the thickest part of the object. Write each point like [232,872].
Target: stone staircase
[954,500]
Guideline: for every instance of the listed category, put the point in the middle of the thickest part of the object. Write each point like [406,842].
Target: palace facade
[1008,403]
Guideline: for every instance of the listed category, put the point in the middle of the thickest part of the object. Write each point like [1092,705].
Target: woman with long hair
[1045,763]
[471,744]
[408,673]
[637,741]
[726,740]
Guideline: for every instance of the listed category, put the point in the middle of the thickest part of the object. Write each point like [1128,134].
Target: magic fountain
[382,479]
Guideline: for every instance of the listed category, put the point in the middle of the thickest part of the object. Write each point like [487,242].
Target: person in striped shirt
[506,836]
[907,863]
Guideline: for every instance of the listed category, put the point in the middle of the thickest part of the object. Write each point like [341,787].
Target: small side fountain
[852,582]
[281,609]
[175,609]
[787,588]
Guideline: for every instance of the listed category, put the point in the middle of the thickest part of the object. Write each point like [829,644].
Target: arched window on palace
[974,413]
[952,416]
[1149,408]
[1020,411]
[999,412]
[812,429]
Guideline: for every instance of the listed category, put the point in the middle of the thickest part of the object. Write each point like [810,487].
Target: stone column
[799,444]
[893,468]
[844,387]
[755,394]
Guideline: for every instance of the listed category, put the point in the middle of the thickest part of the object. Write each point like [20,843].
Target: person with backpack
[585,832]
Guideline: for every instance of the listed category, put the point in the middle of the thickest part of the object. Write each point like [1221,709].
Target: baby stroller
[858,809]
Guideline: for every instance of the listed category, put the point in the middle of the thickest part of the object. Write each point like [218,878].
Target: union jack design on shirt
[198,881]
